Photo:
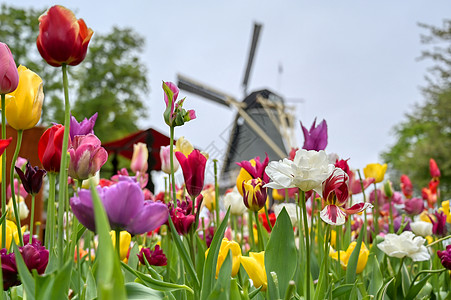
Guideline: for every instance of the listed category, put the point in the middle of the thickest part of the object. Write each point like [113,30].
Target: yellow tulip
[376,171]
[345,255]
[255,268]
[125,238]
[11,232]
[446,211]
[276,196]
[209,198]
[24,105]
[243,176]
[227,245]
[184,146]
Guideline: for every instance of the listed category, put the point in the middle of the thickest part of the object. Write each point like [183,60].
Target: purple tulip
[257,171]
[316,137]
[439,223]
[87,156]
[125,207]
[9,76]
[84,127]
[31,179]
[445,257]
[414,206]
[154,257]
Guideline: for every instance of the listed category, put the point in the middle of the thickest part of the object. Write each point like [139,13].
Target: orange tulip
[62,38]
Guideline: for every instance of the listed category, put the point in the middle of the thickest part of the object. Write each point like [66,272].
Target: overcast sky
[353,63]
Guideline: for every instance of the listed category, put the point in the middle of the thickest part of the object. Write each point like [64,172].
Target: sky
[353,63]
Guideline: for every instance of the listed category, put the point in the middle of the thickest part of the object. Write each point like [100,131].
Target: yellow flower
[424,216]
[276,196]
[345,255]
[125,238]
[11,232]
[24,105]
[227,245]
[244,176]
[184,146]
[376,171]
[446,211]
[255,268]
[209,198]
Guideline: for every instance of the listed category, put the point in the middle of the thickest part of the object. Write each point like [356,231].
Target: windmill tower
[263,123]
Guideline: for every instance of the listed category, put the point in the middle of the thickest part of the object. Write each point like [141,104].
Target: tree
[426,132]
[111,80]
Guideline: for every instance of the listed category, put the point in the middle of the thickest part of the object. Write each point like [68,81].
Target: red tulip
[49,148]
[193,167]
[435,171]
[9,76]
[62,38]
[406,186]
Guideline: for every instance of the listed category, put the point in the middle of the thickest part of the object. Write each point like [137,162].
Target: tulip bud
[9,77]
[139,158]
[388,189]
[376,171]
[254,194]
[435,171]
[49,148]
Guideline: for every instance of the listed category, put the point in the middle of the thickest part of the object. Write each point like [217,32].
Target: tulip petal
[333,215]
[150,217]
[358,207]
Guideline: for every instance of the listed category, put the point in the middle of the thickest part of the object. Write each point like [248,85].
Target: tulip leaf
[222,285]
[234,290]
[132,262]
[280,250]
[209,273]
[91,291]
[136,291]
[54,285]
[383,290]
[354,258]
[254,292]
[376,276]
[110,281]
[25,275]
[342,289]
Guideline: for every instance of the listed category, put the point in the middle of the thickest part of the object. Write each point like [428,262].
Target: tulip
[254,194]
[87,156]
[406,186]
[11,232]
[316,137]
[272,220]
[139,158]
[446,210]
[62,38]
[234,200]
[376,171]
[421,228]
[291,209]
[175,115]
[346,255]
[307,171]
[124,243]
[23,106]
[193,167]
[182,216]
[23,209]
[414,206]
[252,169]
[184,146]
[9,77]
[445,257]
[154,257]
[343,164]
[355,186]
[433,168]
[254,264]
[82,128]
[165,160]
[335,195]
[49,148]
[32,178]
[125,207]
[405,244]
[439,223]
[209,197]
[235,249]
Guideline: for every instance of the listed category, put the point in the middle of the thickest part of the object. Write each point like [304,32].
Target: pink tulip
[193,167]
[435,171]
[139,158]
[9,77]
[87,156]
[165,155]
[406,186]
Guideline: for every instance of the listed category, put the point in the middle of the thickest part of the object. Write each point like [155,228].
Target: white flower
[291,210]
[22,206]
[307,171]
[421,228]
[234,200]
[405,244]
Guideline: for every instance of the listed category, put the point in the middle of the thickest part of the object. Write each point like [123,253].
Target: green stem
[63,167]
[438,241]
[3,172]
[32,217]
[267,218]
[376,211]
[118,243]
[261,245]
[307,242]
[50,223]
[338,232]
[250,227]
[171,159]
[11,181]
[365,238]
[215,168]
[391,228]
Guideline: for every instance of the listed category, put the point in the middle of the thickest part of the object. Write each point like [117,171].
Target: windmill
[263,123]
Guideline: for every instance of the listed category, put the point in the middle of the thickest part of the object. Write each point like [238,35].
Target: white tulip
[405,244]
[234,200]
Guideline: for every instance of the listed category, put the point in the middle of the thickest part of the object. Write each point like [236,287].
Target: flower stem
[32,217]
[307,242]
[63,167]
[365,238]
[439,240]
[250,227]
[391,228]
[267,218]
[171,159]
[261,245]
[50,223]
[215,169]
[11,181]
[3,171]
[376,211]
[118,243]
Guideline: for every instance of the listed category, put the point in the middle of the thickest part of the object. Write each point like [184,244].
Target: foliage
[426,132]
[111,80]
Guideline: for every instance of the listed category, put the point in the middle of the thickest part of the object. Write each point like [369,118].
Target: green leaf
[376,279]
[54,285]
[155,284]
[254,292]
[110,281]
[91,290]
[280,250]
[222,285]
[136,291]
[342,289]
[383,290]
[234,291]
[132,262]
[209,273]
[25,275]
[405,279]
[354,258]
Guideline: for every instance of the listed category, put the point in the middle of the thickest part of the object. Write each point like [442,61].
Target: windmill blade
[203,90]
[250,59]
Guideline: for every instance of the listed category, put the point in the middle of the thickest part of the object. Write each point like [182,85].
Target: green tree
[111,80]
[426,132]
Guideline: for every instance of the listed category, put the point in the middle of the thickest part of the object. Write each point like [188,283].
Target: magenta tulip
[316,137]
[82,128]
[193,167]
[9,76]
[445,257]
[154,257]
